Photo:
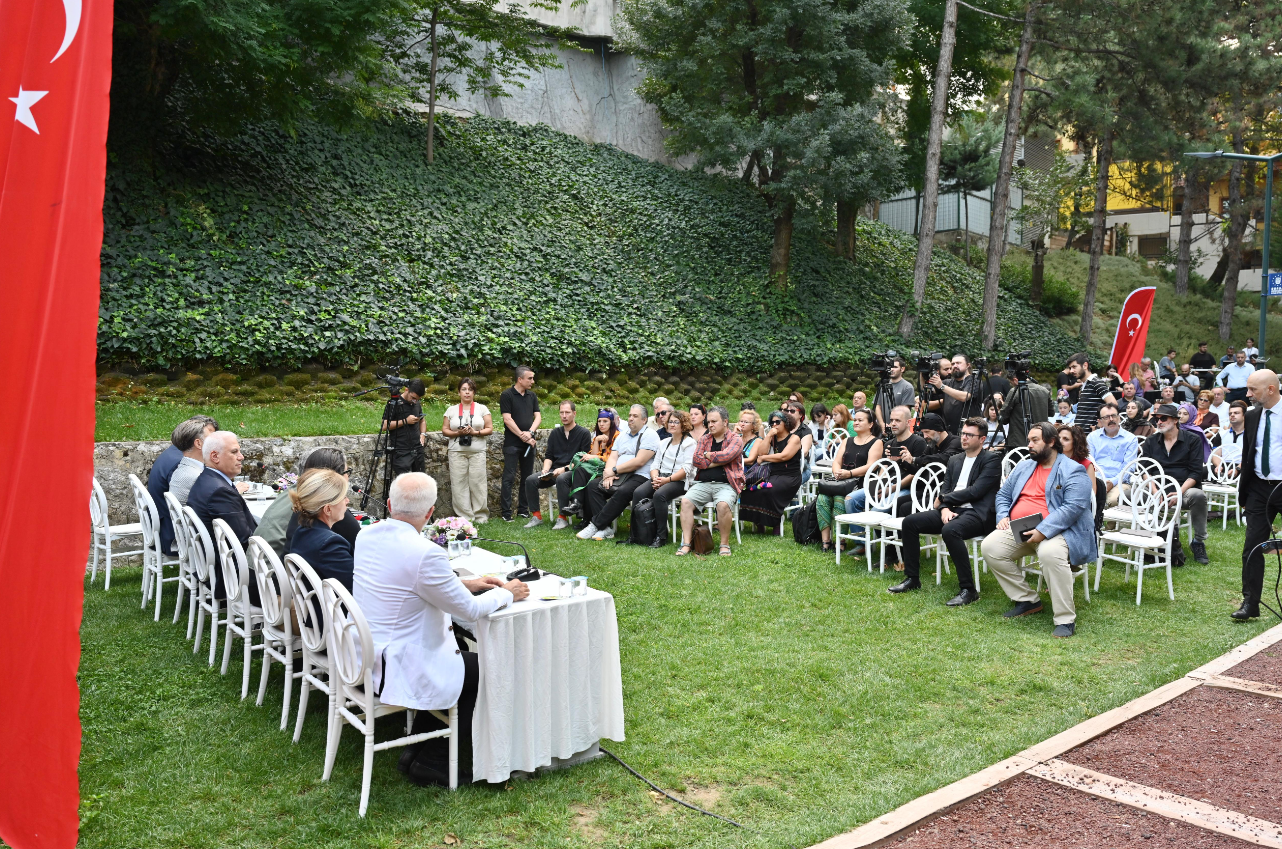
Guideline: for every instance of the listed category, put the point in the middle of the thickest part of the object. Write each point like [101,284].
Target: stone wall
[267,459]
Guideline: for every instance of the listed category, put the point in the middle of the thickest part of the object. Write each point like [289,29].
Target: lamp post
[1268,224]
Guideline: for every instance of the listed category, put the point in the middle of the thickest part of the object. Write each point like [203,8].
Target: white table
[551,685]
[258,508]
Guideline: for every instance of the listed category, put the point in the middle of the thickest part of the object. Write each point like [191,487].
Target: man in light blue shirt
[1112,449]
[627,467]
[1233,377]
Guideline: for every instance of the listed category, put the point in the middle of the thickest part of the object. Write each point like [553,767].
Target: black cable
[659,789]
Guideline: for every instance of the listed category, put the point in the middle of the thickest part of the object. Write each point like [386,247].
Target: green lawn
[787,693]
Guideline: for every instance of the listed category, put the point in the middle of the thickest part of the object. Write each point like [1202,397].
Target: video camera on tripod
[1019,363]
[928,364]
[882,362]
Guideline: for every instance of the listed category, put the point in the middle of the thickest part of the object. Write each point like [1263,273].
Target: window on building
[1152,247]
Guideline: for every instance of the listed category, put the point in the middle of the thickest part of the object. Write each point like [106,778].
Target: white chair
[1156,523]
[154,559]
[1221,487]
[186,577]
[200,552]
[1011,459]
[925,487]
[243,618]
[1138,470]
[105,533]
[276,600]
[312,620]
[821,467]
[882,483]
[351,651]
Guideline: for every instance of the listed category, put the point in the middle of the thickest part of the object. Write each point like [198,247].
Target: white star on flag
[25,100]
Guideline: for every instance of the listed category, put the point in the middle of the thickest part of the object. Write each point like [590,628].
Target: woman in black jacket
[320,501]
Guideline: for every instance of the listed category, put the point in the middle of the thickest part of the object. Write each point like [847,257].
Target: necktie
[1264,458]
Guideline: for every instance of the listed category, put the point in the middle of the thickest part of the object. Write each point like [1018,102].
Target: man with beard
[1180,453]
[1056,488]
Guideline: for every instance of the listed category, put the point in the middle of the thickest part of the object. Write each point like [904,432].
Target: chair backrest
[98,506]
[309,605]
[1220,472]
[927,485]
[882,484]
[1146,467]
[1151,503]
[182,532]
[1011,459]
[351,647]
[274,593]
[231,559]
[148,516]
[200,548]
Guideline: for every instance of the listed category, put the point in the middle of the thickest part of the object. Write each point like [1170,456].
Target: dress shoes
[1248,610]
[1024,608]
[658,542]
[904,586]
[963,598]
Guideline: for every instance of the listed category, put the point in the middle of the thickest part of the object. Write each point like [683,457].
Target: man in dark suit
[1259,483]
[158,481]
[214,496]
[966,509]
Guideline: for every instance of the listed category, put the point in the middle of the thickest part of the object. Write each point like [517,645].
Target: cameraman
[901,391]
[958,390]
[1040,408]
[406,430]
[931,396]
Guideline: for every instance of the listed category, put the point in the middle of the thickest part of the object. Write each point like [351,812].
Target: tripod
[1020,389]
[884,401]
[382,450]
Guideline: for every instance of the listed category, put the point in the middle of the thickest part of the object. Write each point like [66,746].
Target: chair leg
[304,689]
[367,770]
[200,622]
[266,673]
[334,730]
[453,717]
[1099,565]
[160,583]
[193,602]
[289,684]
[228,636]
[246,640]
[106,556]
[213,630]
[1139,579]
[178,604]
[146,578]
[93,575]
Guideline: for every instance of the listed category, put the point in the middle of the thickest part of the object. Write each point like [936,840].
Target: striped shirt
[1089,401]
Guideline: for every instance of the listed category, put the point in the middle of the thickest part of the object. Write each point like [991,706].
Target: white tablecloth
[258,508]
[551,685]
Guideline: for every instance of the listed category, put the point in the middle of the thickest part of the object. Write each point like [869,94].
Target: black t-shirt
[953,410]
[405,436]
[521,408]
[562,446]
[712,474]
[1062,380]
[1202,361]
[916,446]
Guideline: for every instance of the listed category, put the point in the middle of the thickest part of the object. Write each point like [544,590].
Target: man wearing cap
[1259,484]
[940,444]
[1179,453]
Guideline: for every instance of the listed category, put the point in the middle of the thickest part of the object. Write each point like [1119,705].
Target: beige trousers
[469,485]
[1002,553]
[1113,495]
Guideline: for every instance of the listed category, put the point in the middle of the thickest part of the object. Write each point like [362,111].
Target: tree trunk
[1184,249]
[930,191]
[846,229]
[1103,161]
[1001,189]
[1037,281]
[782,244]
[431,93]
[1238,215]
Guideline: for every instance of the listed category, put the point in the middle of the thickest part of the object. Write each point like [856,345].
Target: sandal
[725,551]
[683,550]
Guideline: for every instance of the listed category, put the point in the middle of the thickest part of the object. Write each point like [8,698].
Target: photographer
[1186,385]
[901,391]
[927,370]
[406,430]
[957,390]
[1040,408]
[519,407]
[467,424]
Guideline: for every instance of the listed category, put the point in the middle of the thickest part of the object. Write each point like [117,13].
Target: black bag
[838,488]
[642,530]
[805,525]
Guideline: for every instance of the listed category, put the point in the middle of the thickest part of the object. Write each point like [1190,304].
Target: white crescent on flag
[72,8]
[1138,322]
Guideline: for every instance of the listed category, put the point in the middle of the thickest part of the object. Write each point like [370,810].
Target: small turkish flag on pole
[55,81]
[1132,330]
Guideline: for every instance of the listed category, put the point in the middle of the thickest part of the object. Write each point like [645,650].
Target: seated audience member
[467,425]
[1186,417]
[1179,453]
[669,475]
[409,595]
[797,425]
[1056,488]
[1186,385]
[966,508]
[1136,380]
[1166,396]
[1041,408]
[764,507]
[1166,366]
[280,522]
[162,471]
[718,479]
[820,422]
[564,443]
[320,501]
[627,468]
[1230,355]
[1203,362]
[1150,376]
[853,460]
[659,421]
[841,420]
[797,398]
[590,467]
[1233,377]
[998,437]
[902,444]
[750,431]
[1068,384]
[1252,352]
[1219,406]
[698,420]
[214,495]
[189,438]
[858,401]
[1205,418]
[1072,444]
[1065,413]
[1129,394]
[1231,437]
[1114,379]
[940,444]
[1113,448]
[1136,421]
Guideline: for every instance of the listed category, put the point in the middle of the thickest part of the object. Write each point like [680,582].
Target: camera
[928,364]
[881,363]
[1019,362]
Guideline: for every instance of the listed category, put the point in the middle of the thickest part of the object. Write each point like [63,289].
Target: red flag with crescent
[1132,329]
[55,82]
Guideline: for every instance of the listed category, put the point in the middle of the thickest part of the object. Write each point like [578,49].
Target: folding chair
[154,559]
[882,483]
[243,618]
[276,600]
[105,533]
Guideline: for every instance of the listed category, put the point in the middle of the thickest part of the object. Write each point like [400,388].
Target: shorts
[704,493]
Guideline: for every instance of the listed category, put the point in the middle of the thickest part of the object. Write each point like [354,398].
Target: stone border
[1042,757]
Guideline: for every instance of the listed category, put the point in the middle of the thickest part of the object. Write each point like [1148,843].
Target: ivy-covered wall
[520,244]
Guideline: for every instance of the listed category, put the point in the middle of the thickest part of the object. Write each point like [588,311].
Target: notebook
[1021,528]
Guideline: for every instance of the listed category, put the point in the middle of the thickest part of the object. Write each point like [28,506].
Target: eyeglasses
[347,471]
[1108,417]
[965,435]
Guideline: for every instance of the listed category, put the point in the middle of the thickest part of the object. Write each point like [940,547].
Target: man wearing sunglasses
[659,421]
[1180,454]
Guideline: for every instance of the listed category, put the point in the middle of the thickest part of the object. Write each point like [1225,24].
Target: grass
[780,690]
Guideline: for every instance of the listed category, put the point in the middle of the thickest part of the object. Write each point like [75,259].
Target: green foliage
[1059,296]
[522,244]
[968,158]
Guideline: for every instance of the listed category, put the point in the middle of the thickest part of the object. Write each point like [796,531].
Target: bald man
[1260,483]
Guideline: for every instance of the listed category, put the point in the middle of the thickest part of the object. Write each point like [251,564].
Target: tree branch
[990,14]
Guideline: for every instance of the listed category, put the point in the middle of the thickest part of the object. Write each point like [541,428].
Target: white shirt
[963,480]
[180,484]
[1275,443]
[407,591]
[1221,412]
[628,444]
[1251,352]
[1233,376]
[1231,446]
[459,415]
[672,457]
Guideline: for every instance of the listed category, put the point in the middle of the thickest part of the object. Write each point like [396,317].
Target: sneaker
[1063,632]
[588,532]
[1198,547]
[507,518]
[561,522]
[522,515]
[534,522]
[608,533]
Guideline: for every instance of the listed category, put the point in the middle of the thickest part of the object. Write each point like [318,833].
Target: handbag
[838,488]
[757,476]
[701,543]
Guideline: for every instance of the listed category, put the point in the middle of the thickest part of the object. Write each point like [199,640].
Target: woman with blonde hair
[320,500]
[841,419]
[749,428]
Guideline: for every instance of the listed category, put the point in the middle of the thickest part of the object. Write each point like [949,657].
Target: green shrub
[1059,297]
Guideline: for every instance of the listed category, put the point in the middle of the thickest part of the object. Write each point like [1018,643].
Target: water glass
[566,588]
[454,548]
[580,584]
[465,547]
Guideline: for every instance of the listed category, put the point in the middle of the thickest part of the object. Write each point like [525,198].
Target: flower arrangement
[442,531]
[285,481]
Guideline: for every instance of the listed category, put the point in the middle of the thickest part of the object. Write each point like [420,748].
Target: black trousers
[1260,510]
[661,497]
[533,485]
[963,526]
[408,460]
[516,459]
[436,753]
[606,505]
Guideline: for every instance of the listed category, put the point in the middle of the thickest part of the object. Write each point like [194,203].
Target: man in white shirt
[408,593]
[1219,406]
[1231,436]
[627,467]
[1259,484]
[189,438]
[1234,376]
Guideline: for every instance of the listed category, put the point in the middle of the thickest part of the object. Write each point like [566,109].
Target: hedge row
[520,244]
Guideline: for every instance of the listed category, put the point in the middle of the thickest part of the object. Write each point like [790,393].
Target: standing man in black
[959,392]
[521,417]
[564,443]
[1203,363]
[966,508]
[1259,484]
[406,430]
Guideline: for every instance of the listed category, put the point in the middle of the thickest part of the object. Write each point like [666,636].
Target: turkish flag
[55,79]
[1132,330]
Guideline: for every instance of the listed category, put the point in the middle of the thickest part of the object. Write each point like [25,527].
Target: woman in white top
[673,469]
[468,424]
